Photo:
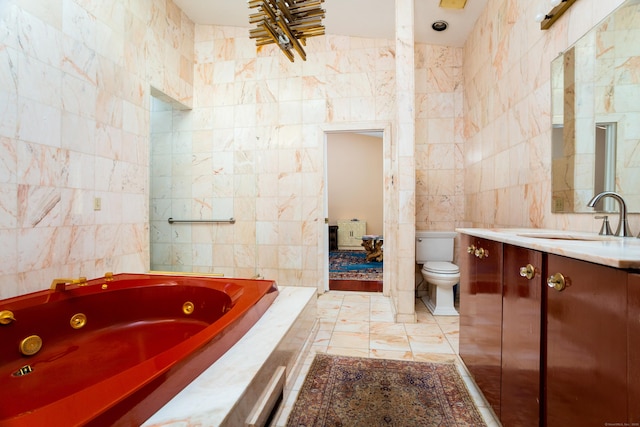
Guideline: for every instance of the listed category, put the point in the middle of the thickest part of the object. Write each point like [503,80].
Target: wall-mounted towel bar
[209,221]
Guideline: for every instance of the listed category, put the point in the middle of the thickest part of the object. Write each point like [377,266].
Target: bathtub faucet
[623,226]
[59,285]
[6,317]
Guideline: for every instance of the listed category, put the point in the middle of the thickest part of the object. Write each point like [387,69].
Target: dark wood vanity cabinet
[633,356]
[522,296]
[558,348]
[481,314]
[586,345]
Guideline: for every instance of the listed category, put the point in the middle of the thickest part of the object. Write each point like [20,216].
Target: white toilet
[434,251]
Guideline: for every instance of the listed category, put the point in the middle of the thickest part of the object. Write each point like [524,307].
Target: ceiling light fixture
[453,4]
[546,20]
[439,25]
[287,23]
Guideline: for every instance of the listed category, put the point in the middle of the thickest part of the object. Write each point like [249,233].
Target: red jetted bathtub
[113,351]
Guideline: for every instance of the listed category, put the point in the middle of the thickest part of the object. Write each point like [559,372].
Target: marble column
[403,288]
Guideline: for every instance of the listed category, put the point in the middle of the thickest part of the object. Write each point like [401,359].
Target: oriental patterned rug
[350,391]
[353,265]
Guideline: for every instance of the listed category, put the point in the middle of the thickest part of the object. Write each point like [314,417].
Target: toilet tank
[434,246]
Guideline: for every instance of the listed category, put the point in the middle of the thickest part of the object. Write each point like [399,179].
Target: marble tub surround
[612,251]
[225,393]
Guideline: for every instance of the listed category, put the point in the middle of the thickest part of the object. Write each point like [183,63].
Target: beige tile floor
[361,324]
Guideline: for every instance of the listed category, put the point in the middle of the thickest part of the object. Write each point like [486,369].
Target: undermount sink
[567,235]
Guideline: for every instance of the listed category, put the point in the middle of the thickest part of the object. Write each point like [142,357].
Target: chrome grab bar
[210,221]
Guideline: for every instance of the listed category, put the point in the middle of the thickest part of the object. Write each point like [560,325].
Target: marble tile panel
[425,318]
[346,297]
[348,351]
[435,357]
[422,328]
[350,340]
[9,253]
[48,131]
[328,312]
[9,111]
[389,342]
[383,315]
[356,302]
[454,342]
[384,328]
[390,354]
[430,343]
[344,325]
[323,338]
[348,313]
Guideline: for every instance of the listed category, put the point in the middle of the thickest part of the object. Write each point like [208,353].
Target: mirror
[595,113]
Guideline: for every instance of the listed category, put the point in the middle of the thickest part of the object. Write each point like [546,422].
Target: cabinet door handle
[481,253]
[528,271]
[557,282]
[470,249]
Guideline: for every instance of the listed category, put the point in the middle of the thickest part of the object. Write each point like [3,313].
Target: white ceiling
[360,18]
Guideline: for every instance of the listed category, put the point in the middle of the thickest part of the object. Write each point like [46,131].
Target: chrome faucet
[623,226]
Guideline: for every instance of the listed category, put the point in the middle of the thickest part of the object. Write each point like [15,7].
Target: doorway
[354,200]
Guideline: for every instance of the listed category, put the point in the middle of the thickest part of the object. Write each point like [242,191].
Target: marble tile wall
[259,120]
[253,141]
[85,71]
[75,79]
[263,119]
[507,123]
[401,279]
[439,147]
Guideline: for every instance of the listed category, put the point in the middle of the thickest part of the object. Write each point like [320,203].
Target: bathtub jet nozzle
[30,345]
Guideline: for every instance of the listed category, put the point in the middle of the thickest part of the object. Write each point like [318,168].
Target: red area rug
[350,391]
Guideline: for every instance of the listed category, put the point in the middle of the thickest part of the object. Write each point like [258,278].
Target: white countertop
[613,251]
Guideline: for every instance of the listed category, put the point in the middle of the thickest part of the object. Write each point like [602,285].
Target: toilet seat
[440,267]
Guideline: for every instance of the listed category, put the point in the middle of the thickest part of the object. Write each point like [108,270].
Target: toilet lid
[441,267]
